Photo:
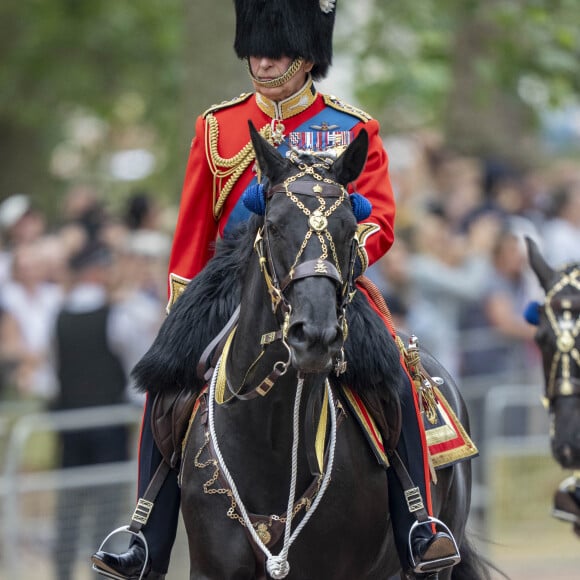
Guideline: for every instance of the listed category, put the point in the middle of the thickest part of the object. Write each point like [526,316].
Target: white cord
[278,566]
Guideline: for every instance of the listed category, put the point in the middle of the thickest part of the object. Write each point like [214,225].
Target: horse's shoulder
[227,104]
[340,105]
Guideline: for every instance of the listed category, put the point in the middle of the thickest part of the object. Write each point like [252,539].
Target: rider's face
[266,69]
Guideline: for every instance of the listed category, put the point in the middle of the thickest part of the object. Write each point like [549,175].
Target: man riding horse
[287,45]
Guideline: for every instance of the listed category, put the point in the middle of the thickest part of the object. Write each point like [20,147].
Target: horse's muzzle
[313,348]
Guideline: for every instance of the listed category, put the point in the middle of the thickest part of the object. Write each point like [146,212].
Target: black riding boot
[420,549]
[567,501]
[128,566]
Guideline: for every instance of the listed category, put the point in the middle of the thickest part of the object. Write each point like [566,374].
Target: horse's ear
[270,162]
[541,268]
[351,163]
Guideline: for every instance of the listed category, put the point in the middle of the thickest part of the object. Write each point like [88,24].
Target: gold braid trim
[227,104]
[339,105]
[421,379]
[226,170]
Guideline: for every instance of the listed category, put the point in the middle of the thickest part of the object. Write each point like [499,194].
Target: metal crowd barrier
[27,530]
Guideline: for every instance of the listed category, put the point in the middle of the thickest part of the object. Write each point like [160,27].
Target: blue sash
[328,129]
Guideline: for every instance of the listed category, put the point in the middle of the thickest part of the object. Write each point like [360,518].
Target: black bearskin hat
[293,28]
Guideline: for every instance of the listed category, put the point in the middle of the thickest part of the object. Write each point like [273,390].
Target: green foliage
[412,55]
[67,52]
[116,63]
[140,70]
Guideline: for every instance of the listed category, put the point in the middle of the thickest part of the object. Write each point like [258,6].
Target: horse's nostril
[296,333]
[309,334]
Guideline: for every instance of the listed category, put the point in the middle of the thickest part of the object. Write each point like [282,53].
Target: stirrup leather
[123,530]
[433,565]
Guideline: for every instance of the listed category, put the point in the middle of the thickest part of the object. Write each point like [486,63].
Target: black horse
[270,481]
[558,337]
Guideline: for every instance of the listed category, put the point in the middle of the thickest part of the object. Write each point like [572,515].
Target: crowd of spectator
[80,303]
[457,275]
[40,264]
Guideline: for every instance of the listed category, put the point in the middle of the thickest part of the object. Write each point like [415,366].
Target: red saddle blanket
[447,439]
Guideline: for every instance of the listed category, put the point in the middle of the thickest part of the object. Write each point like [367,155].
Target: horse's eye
[273,230]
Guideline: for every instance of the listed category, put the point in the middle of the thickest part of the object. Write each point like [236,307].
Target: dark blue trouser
[161,527]
[410,448]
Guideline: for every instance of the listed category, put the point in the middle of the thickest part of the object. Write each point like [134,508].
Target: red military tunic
[221,165]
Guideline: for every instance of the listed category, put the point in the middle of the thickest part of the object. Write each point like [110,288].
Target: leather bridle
[563,315]
[330,196]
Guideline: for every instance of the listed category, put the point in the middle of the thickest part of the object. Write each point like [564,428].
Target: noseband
[563,315]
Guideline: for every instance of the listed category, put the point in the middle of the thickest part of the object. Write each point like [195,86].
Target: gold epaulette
[225,104]
[339,105]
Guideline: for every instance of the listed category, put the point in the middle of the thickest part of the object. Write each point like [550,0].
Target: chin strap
[294,67]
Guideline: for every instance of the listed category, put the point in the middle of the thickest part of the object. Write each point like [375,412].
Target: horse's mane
[208,303]
[197,316]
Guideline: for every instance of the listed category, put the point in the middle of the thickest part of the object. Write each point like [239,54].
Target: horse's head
[559,341]
[307,247]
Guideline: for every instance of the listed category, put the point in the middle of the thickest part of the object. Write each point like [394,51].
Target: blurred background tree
[483,72]
[106,92]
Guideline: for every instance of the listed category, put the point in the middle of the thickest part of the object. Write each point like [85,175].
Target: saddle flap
[170,416]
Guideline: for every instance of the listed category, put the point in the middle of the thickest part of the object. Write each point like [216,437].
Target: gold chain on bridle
[566,330]
[318,219]
[317,222]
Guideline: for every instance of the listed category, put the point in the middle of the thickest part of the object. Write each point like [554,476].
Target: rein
[563,314]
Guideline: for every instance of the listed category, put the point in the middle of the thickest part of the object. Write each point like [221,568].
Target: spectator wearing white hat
[20,223]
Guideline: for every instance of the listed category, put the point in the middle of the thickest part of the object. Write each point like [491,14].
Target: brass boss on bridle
[563,314]
[329,195]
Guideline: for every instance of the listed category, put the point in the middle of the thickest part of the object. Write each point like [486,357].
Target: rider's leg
[427,544]
[411,449]
[161,527]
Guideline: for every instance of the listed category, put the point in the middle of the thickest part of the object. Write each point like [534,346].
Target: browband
[309,187]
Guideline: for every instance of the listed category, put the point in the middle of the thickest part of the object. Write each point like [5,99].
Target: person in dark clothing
[90,374]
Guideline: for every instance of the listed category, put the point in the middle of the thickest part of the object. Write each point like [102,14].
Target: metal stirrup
[438,564]
[123,530]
